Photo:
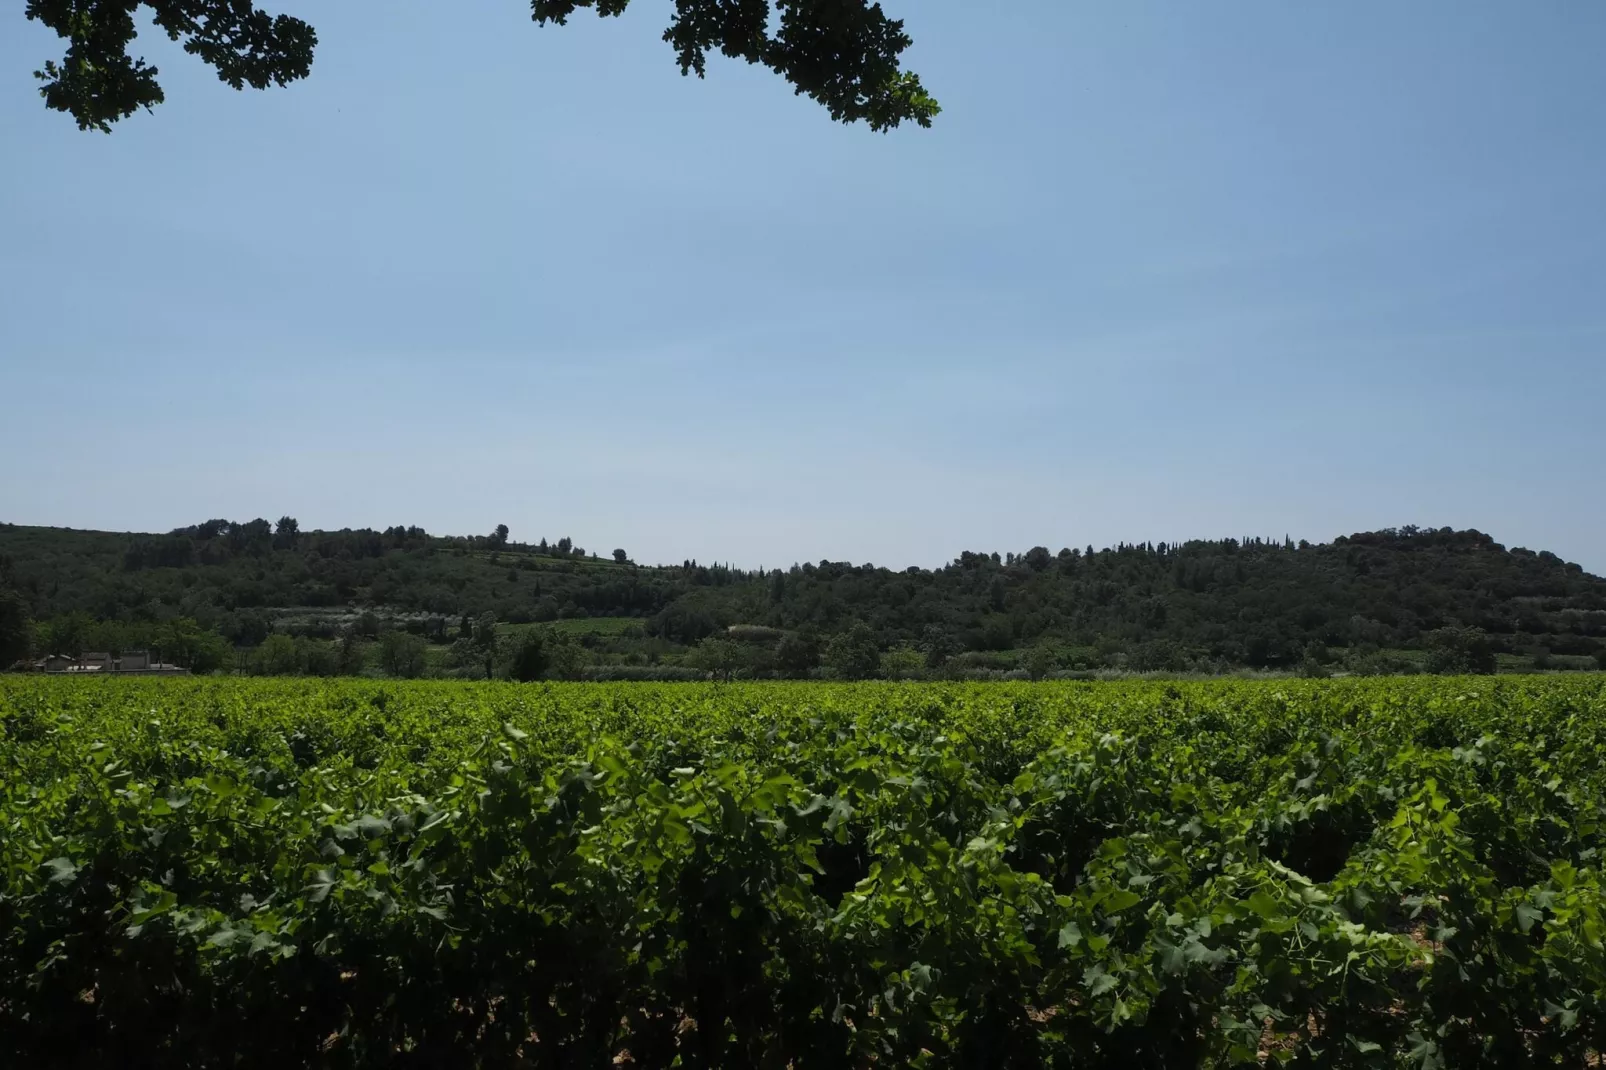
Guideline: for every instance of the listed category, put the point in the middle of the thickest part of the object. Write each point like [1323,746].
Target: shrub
[528,656]
[402,655]
[1459,651]
[903,663]
[854,654]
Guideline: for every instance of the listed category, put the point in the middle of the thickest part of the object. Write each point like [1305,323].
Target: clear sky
[1160,271]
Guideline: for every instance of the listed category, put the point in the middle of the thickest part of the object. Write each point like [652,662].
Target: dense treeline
[236,578]
[1199,605]
[1251,601]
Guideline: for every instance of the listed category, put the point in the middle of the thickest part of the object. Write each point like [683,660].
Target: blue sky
[1160,271]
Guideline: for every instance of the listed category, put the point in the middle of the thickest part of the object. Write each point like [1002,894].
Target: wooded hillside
[1251,602]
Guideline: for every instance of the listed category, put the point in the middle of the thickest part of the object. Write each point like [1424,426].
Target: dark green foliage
[1376,663]
[1329,874]
[286,533]
[567,659]
[528,656]
[97,82]
[902,662]
[484,642]
[854,654]
[350,659]
[401,655]
[277,656]
[1039,661]
[180,641]
[937,645]
[185,643]
[15,630]
[1457,651]
[1198,606]
[231,581]
[797,653]
[843,54]
[721,658]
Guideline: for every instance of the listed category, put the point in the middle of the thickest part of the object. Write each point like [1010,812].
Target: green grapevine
[1369,873]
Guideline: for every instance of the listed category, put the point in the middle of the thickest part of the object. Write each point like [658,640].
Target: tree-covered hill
[231,576]
[1236,602]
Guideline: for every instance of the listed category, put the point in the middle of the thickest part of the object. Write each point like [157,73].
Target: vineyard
[1388,873]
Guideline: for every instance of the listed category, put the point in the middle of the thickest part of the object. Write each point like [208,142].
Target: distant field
[530,559]
[578,626]
[1035,875]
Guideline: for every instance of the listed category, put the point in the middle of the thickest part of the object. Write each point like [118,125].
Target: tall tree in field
[286,534]
[853,654]
[484,641]
[842,53]
[401,655]
[528,656]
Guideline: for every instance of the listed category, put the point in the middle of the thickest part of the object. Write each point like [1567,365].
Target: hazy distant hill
[1251,602]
